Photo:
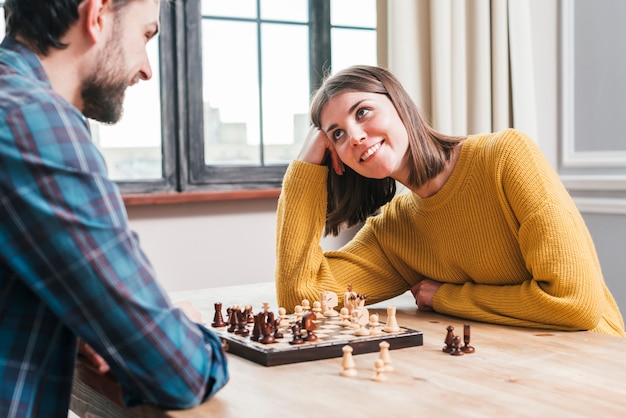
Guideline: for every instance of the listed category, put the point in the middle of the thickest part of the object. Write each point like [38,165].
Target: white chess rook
[392,322]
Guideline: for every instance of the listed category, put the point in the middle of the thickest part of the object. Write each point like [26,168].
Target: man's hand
[92,357]
[423,292]
[191,312]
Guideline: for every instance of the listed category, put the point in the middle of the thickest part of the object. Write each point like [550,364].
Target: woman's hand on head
[315,148]
[423,292]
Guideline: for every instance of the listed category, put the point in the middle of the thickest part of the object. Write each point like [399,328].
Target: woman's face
[367,134]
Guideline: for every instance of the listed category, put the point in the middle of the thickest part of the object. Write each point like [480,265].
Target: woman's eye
[337,134]
[362,112]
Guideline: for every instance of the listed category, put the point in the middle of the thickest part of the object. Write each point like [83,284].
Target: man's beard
[103,92]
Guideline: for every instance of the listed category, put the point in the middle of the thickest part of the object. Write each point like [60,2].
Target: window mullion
[260,73]
[319,41]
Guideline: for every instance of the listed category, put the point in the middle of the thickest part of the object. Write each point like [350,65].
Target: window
[227,108]
[2,27]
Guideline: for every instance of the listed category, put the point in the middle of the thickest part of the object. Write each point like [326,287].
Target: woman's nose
[356,137]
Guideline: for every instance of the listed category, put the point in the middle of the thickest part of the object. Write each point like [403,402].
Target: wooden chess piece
[218,319]
[347,362]
[323,302]
[456,346]
[384,355]
[266,323]
[354,320]
[379,367]
[232,319]
[296,332]
[345,317]
[350,299]
[278,333]
[249,315]
[309,326]
[282,315]
[467,348]
[242,323]
[256,330]
[448,340]
[317,309]
[329,301]
[306,305]
[374,325]
[362,331]
[298,311]
[392,322]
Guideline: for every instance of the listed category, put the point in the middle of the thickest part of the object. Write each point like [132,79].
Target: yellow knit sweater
[502,235]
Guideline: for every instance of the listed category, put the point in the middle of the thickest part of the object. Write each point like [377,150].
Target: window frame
[219,178]
[172,107]
[182,148]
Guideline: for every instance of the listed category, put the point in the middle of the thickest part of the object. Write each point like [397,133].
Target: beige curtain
[466,63]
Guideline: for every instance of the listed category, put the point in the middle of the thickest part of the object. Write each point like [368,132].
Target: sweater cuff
[306,177]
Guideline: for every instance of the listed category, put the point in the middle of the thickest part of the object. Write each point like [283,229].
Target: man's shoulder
[23,81]
[26,95]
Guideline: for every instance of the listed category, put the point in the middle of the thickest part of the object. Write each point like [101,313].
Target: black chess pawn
[296,331]
[218,319]
[277,331]
[467,348]
[456,347]
[448,348]
[250,315]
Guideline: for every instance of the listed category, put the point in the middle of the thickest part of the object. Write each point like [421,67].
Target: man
[69,265]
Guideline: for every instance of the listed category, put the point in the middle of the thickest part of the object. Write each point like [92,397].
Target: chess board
[332,336]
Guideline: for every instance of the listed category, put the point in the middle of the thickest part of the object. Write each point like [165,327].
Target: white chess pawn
[362,331]
[379,367]
[392,322]
[354,320]
[306,305]
[317,309]
[298,311]
[282,315]
[347,362]
[384,356]
[345,317]
[374,324]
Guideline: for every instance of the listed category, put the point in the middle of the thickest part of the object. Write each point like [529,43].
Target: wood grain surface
[515,372]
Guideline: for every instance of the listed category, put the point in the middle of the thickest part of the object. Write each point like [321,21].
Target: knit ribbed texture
[503,235]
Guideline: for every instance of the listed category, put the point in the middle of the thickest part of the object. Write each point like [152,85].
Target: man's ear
[97,14]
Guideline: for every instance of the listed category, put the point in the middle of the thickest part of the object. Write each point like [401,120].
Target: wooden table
[514,372]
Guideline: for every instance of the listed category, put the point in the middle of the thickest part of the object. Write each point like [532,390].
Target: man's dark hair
[42,23]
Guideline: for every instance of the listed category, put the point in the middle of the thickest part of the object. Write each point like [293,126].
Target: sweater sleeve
[303,269]
[566,289]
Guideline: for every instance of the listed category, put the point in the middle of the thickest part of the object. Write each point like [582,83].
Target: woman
[485,232]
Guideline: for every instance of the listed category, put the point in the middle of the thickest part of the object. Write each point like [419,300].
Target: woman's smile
[371,151]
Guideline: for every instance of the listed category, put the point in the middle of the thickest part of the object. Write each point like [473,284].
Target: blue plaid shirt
[70,267]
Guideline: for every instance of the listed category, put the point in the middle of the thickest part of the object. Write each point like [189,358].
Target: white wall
[200,245]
